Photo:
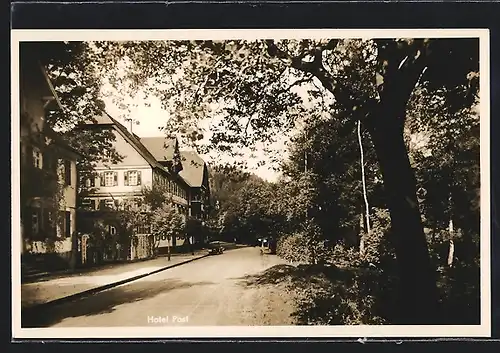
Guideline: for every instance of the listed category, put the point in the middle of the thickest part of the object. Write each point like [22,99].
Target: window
[90,182]
[132,178]
[64,224]
[37,158]
[67,223]
[67,173]
[109,179]
[112,230]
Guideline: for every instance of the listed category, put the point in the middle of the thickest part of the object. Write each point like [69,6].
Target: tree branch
[314,67]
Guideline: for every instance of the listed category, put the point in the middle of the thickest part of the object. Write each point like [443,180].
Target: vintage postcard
[250,183]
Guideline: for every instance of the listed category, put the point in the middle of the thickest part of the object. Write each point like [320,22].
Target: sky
[150,116]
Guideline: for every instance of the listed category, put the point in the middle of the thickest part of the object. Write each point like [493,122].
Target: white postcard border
[482,330]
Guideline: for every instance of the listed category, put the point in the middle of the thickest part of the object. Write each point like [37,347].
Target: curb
[98,289]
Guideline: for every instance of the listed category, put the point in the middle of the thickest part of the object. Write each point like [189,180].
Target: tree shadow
[300,274]
[102,302]
[328,295]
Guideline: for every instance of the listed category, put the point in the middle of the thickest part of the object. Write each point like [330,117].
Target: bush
[341,297]
[459,285]
[378,251]
[305,246]
[361,288]
[293,248]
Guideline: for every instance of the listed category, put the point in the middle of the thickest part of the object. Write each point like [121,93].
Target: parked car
[215,248]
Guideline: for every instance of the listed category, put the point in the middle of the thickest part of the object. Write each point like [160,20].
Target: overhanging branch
[314,67]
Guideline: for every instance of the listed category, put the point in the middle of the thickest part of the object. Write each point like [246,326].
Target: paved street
[216,290]
[57,286]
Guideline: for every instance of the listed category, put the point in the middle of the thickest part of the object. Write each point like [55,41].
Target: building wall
[130,155]
[32,88]
[163,179]
[121,192]
[120,170]
[132,161]
[69,193]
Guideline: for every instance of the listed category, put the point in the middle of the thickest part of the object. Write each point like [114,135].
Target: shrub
[379,251]
[305,246]
[293,248]
[341,297]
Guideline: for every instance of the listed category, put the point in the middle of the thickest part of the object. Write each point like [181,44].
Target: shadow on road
[327,295]
[291,274]
[101,303]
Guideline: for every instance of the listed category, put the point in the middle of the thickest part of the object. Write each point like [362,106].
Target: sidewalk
[57,287]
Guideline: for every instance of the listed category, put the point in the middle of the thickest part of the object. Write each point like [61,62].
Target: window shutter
[115,174]
[92,181]
[67,172]
[101,176]
[125,178]
[138,177]
[68,224]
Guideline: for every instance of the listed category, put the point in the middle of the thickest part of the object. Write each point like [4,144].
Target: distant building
[195,172]
[48,169]
[189,166]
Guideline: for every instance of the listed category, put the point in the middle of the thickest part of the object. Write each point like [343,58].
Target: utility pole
[132,122]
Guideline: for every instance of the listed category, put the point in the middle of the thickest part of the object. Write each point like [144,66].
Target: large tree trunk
[418,292]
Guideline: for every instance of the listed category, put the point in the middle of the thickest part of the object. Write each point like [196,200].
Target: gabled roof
[106,119]
[193,168]
[162,148]
[51,87]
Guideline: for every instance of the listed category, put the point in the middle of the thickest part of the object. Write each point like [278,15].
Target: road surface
[222,289]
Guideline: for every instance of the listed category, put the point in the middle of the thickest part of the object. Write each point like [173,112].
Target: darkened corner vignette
[177,21]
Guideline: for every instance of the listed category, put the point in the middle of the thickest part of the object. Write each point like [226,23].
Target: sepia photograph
[250,183]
